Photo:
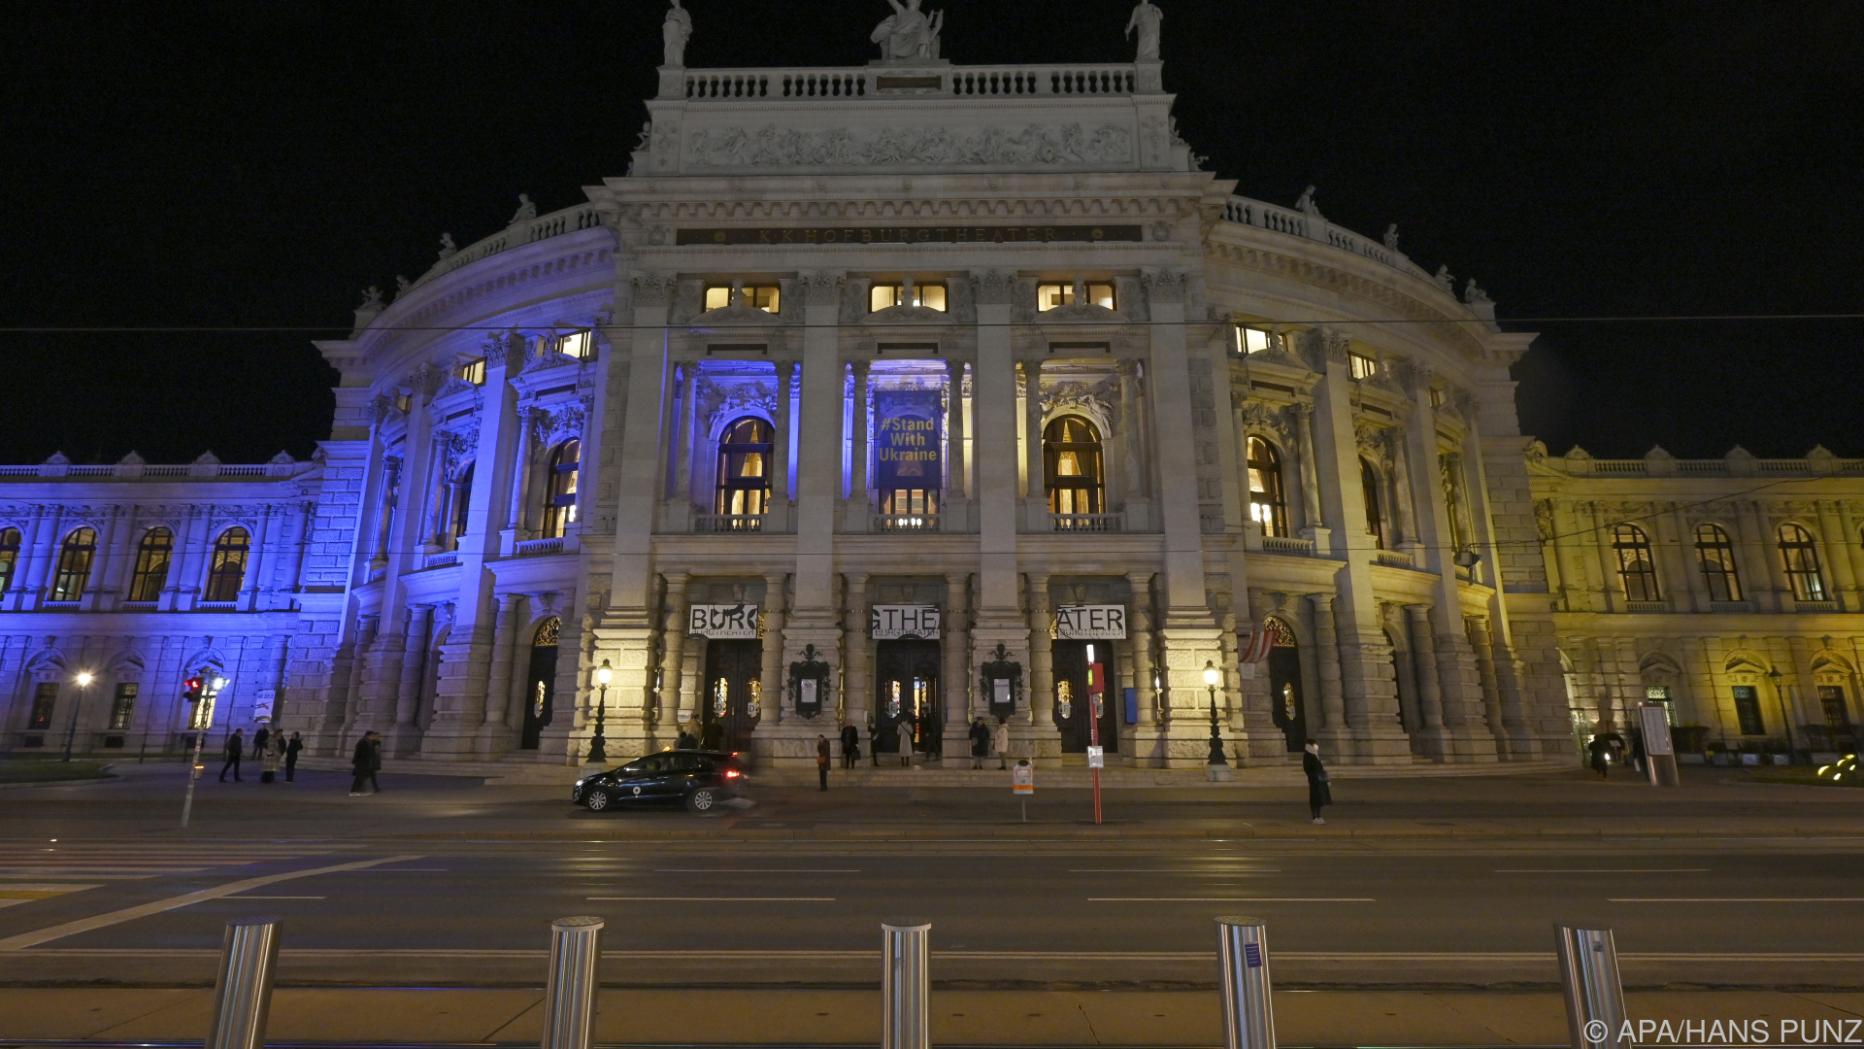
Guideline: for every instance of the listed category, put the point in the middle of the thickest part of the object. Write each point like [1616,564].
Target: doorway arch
[540,684]
[1286,701]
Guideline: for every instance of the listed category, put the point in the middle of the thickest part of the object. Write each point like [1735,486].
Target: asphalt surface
[369,893]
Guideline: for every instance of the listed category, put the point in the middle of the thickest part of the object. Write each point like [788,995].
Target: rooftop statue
[527,209]
[371,299]
[909,34]
[1146,19]
[1391,237]
[1444,280]
[675,32]
[448,249]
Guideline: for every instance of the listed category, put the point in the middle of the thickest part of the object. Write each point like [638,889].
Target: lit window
[560,495]
[1071,455]
[473,371]
[228,568]
[580,345]
[9,556]
[1637,569]
[1251,340]
[1101,295]
[74,565]
[1801,554]
[1267,505]
[404,402]
[1055,296]
[766,297]
[1436,397]
[1716,553]
[717,296]
[1375,521]
[152,559]
[1362,366]
[744,467]
[924,296]
[123,706]
[44,702]
[1747,711]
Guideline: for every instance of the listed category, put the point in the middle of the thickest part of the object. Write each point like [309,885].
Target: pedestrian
[688,737]
[271,756]
[712,737]
[236,746]
[1637,750]
[1319,789]
[904,727]
[873,740]
[821,760]
[980,742]
[364,763]
[1601,750]
[850,746]
[1000,742]
[259,737]
[292,750]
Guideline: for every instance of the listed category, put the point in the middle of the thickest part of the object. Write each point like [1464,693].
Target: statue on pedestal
[1146,19]
[527,210]
[675,32]
[909,34]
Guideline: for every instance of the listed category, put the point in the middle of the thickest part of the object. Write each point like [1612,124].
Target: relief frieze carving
[1045,146]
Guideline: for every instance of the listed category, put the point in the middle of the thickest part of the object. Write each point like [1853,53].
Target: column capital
[676,583]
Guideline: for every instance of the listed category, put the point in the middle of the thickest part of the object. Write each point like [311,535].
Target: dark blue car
[698,779]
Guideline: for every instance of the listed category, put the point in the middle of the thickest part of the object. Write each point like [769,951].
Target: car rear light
[732,774]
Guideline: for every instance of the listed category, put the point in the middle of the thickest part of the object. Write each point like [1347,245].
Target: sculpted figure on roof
[909,34]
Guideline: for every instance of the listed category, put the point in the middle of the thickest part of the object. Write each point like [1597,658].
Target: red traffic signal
[194,686]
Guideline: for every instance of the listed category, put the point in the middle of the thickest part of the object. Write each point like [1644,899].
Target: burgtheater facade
[920,392]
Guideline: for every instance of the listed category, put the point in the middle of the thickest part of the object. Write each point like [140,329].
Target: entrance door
[906,688]
[1285,699]
[541,683]
[1072,659]
[733,689]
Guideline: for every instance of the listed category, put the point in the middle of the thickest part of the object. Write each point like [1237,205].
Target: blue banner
[908,435]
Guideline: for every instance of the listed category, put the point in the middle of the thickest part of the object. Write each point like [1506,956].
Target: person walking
[1601,750]
[821,760]
[259,736]
[236,747]
[271,756]
[364,763]
[873,740]
[292,750]
[904,727]
[1319,788]
[1637,751]
[850,746]
[1000,742]
[980,742]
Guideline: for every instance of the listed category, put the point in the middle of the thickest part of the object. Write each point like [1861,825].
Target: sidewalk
[959,1017]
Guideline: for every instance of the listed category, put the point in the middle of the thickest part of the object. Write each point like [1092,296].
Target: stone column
[955,488]
[404,736]
[770,673]
[1510,732]
[1148,749]
[685,434]
[517,686]
[780,465]
[493,739]
[859,490]
[1429,735]
[955,647]
[1403,506]
[1235,727]
[1833,543]
[1035,484]
[1675,556]
[1044,736]
[1765,544]
[858,681]
[1611,595]
[673,649]
[1310,477]
[1327,657]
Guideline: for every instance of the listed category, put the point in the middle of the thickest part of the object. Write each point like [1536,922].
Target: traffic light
[194,685]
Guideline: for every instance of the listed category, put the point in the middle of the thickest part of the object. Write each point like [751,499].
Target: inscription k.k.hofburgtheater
[910,235]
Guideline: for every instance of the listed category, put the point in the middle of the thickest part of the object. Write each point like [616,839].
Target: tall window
[924,296]
[1375,521]
[577,344]
[560,493]
[1071,462]
[74,565]
[44,702]
[1747,711]
[227,571]
[1361,366]
[1250,340]
[473,371]
[152,560]
[744,464]
[1637,569]
[1716,554]
[123,706]
[1054,296]
[766,297]
[1268,506]
[9,556]
[461,504]
[1801,554]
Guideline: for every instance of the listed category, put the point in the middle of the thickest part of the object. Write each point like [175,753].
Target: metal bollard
[569,994]
[905,986]
[243,987]
[1243,958]
[1595,996]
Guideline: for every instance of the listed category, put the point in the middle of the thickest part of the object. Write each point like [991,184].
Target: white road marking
[1231,899]
[1732,899]
[410,870]
[711,899]
[1601,870]
[100,921]
[1173,870]
[757,870]
[242,899]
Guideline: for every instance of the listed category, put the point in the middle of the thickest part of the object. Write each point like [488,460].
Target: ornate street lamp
[84,680]
[598,746]
[1786,718]
[1211,677]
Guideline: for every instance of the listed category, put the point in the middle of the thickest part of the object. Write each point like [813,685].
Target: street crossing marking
[757,870]
[1175,870]
[1231,899]
[1601,870]
[711,899]
[243,898]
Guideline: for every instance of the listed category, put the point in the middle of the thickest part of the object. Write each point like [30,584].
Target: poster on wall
[913,622]
[723,622]
[908,439]
[1090,623]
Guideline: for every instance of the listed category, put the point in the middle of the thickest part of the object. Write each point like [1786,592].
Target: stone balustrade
[518,234]
[1018,81]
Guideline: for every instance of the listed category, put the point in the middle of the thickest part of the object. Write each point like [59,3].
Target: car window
[690,763]
[650,765]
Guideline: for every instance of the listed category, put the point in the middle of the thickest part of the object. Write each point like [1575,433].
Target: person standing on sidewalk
[1000,742]
[980,742]
[236,747]
[821,760]
[365,762]
[1601,750]
[1319,787]
[271,756]
[292,750]
[850,746]
[904,727]
[259,736]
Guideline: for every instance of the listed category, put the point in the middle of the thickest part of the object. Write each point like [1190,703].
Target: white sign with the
[891,622]
[1090,623]
[723,622]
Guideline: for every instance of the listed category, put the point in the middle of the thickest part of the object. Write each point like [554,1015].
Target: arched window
[1375,520]
[227,570]
[1071,461]
[560,493]
[74,565]
[461,504]
[9,556]
[152,559]
[1801,554]
[1716,554]
[744,464]
[1637,569]
[1268,505]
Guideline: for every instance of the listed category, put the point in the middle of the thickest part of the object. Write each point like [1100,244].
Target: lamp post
[210,691]
[1786,718]
[84,680]
[1211,677]
[598,745]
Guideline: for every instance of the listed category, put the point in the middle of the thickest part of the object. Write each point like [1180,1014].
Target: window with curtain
[123,706]
[1268,504]
[153,556]
[745,451]
[1747,711]
[1715,552]
[9,556]
[227,571]
[1071,460]
[74,565]
[560,489]
[1375,518]
[461,497]
[1637,569]
[1801,554]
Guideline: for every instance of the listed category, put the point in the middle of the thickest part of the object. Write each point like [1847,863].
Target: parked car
[698,779]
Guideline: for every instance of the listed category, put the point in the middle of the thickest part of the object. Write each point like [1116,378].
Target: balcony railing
[442,559]
[827,85]
[728,523]
[1086,522]
[1395,558]
[1647,606]
[1731,606]
[906,522]
[1288,544]
[1815,606]
[540,547]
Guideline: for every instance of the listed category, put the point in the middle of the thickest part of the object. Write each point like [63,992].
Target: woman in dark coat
[1319,793]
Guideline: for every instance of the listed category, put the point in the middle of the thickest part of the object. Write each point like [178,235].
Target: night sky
[254,165]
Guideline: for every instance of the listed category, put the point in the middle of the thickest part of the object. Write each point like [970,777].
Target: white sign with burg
[723,622]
